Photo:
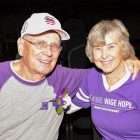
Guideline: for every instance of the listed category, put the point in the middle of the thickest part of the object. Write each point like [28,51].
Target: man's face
[40,53]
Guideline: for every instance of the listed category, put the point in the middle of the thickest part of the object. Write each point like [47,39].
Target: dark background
[77,17]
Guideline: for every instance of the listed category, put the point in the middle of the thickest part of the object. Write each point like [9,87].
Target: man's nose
[47,50]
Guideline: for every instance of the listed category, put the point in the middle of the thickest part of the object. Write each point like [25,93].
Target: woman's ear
[20,44]
[61,49]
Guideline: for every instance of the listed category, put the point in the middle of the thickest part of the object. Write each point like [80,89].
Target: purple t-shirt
[115,113]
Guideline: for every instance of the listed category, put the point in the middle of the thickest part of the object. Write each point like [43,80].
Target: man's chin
[45,72]
[46,69]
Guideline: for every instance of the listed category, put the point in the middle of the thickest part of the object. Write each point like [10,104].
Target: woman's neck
[116,75]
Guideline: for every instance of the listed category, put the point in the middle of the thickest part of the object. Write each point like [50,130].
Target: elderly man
[32,86]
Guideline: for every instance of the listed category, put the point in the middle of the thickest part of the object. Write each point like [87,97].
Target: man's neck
[21,70]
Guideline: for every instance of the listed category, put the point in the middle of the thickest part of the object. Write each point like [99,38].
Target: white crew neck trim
[117,84]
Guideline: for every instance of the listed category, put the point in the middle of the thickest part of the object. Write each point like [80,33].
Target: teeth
[45,61]
[106,62]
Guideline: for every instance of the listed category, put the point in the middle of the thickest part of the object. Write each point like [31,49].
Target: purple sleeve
[86,89]
[5,72]
[66,78]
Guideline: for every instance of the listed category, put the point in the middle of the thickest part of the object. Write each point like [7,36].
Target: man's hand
[69,106]
[133,66]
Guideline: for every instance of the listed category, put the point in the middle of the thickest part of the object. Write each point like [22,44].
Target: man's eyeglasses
[41,45]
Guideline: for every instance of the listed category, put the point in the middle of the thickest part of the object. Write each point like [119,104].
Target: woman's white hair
[99,31]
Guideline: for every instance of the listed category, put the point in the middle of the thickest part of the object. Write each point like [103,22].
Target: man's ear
[20,44]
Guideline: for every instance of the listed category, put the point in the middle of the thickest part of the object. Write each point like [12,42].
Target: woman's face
[108,57]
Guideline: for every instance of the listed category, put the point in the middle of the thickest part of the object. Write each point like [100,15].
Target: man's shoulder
[4,62]
[4,66]
[5,72]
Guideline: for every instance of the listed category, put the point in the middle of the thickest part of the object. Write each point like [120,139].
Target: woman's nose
[104,53]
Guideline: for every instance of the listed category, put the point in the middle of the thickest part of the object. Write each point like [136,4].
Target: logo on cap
[49,20]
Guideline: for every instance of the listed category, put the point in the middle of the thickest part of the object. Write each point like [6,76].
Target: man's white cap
[39,23]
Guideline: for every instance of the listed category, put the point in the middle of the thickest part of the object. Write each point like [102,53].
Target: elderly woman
[110,91]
